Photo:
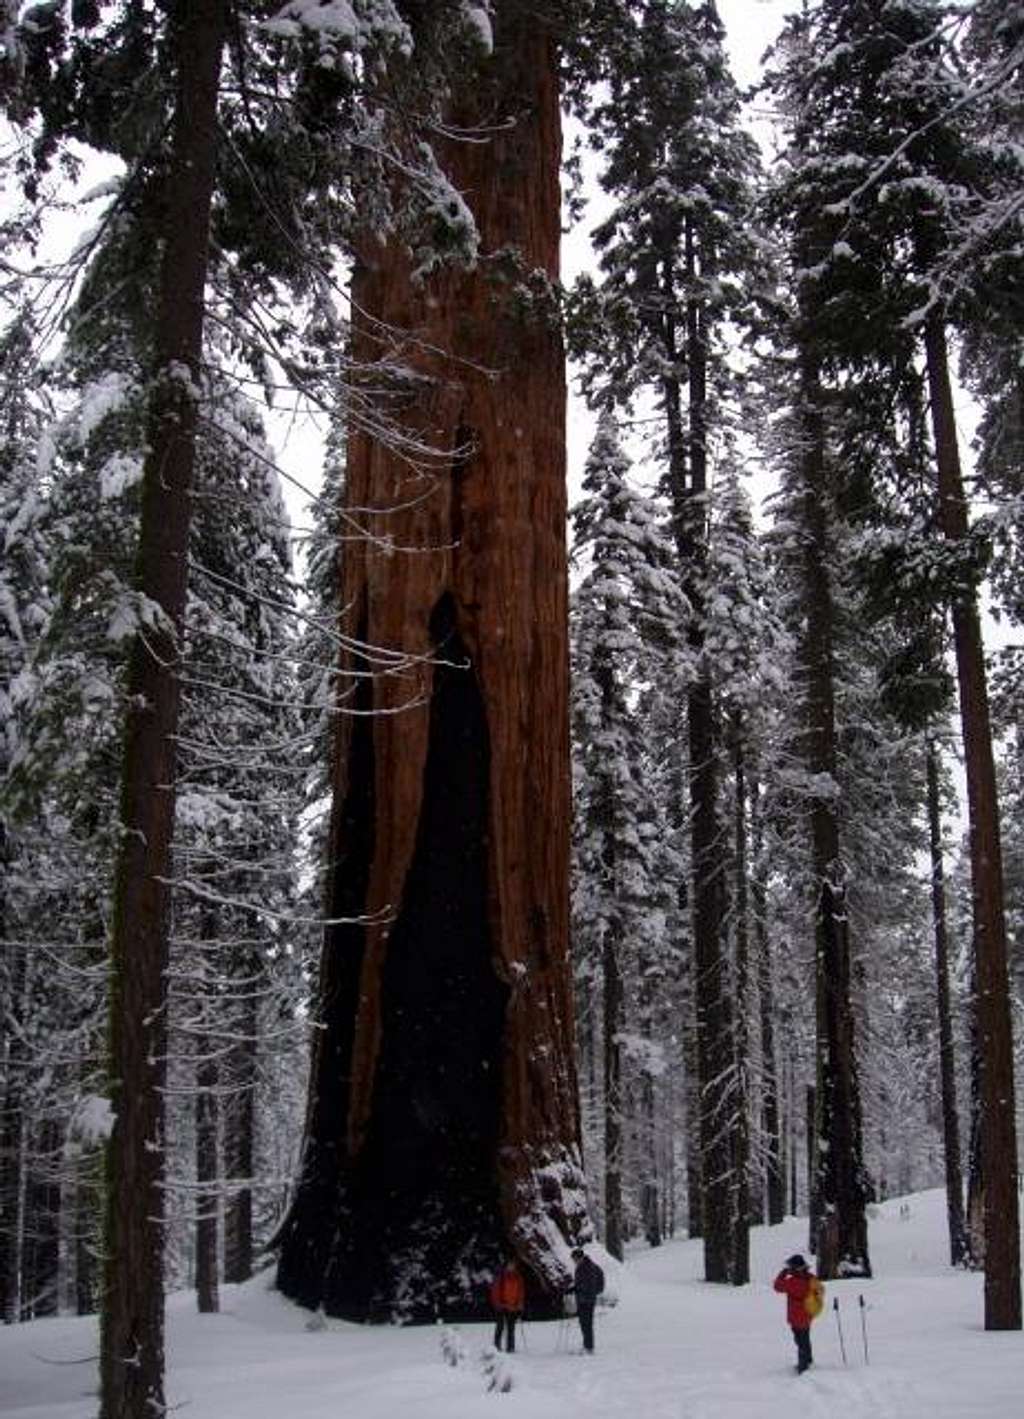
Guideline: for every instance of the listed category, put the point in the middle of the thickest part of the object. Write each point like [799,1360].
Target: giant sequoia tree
[442,1121]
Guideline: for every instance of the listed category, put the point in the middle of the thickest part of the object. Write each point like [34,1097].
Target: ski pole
[864,1328]
[522,1331]
[839,1327]
[562,1342]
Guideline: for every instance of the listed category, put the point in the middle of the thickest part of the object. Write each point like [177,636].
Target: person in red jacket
[508,1297]
[794,1282]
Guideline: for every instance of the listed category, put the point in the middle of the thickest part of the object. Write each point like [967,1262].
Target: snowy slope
[672,1348]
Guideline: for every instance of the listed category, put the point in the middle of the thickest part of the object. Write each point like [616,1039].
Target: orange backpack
[814,1301]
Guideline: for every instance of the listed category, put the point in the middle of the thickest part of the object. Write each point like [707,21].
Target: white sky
[751,26]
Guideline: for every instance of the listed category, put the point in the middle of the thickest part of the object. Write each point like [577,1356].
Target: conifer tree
[627,614]
[440,893]
[22,611]
[676,254]
[887,180]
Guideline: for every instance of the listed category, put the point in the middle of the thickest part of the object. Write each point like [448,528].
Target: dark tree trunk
[239,1115]
[132,1332]
[12,1130]
[959,1245]
[771,1112]
[652,1188]
[691,1077]
[443,1119]
[608,814]
[40,1281]
[611,977]
[741,1030]
[713,1042]
[792,1132]
[207,1297]
[651,992]
[995,1033]
[810,1153]
[975,1168]
[88,1228]
[839,1184]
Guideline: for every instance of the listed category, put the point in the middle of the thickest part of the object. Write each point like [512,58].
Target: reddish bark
[992,1002]
[451,829]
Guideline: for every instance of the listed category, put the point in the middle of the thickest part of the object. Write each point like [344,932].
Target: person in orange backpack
[508,1297]
[802,1291]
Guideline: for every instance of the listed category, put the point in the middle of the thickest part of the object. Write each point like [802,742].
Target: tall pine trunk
[12,1127]
[40,1279]
[688,452]
[771,1090]
[611,975]
[132,1332]
[207,1212]
[959,1245]
[443,1121]
[740,1091]
[838,1191]
[992,993]
[608,815]
[239,1113]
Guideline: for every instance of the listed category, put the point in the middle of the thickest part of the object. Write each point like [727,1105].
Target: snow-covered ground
[671,1348]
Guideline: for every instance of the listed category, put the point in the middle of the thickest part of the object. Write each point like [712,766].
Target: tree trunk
[613,1003]
[814,1210]
[998,1121]
[839,1184]
[651,992]
[714,1046]
[207,1297]
[88,1211]
[443,1119]
[12,1129]
[771,1112]
[132,1338]
[959,1245]
[40,1279]
[239,1113]
[975,1169]
[740,1092]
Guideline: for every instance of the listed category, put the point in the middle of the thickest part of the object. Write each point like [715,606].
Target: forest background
[792,992]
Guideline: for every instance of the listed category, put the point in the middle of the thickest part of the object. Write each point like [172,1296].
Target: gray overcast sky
[751,25]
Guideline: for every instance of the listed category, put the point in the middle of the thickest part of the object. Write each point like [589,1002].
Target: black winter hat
[797,1262]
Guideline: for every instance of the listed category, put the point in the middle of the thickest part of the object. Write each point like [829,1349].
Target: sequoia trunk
[442,1123]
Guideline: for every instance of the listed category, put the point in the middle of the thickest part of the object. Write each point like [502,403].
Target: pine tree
[675,254]
[626,615]
[22,611]
[879,229]
[748,647]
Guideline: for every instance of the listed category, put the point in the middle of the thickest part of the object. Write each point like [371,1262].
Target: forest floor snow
[671,1347]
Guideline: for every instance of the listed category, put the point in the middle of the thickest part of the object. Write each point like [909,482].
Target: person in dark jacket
[508,1298]
[588,1283]
[794,1282]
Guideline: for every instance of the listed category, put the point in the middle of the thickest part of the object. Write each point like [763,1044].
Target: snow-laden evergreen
[627,627]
